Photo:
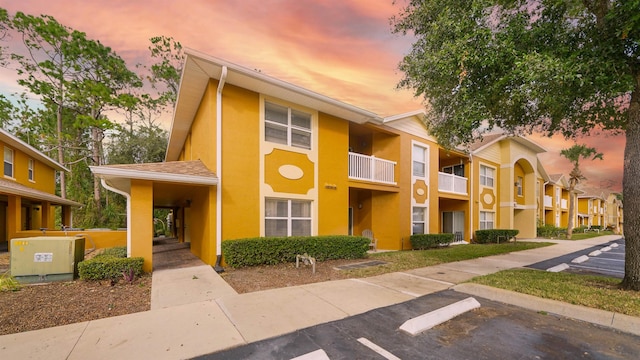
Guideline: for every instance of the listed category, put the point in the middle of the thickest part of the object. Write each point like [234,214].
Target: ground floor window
[419,223]
[486,220]
[286,217]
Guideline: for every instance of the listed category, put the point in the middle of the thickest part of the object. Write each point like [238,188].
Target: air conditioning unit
[44,259]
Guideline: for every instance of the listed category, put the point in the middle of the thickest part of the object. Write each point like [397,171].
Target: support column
[142,226]
[45,215]
[14,216]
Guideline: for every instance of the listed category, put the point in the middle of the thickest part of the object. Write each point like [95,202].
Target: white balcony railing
[547,201]
[452,183]
[371,168]
[563,204]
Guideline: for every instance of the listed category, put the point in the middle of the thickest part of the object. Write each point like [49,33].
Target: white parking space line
[315,355]
[378,349]
[597,268]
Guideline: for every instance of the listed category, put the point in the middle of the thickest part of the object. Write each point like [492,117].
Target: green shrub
[551,231]
[494,235]
[427,241]
[8,283]
[107,267]
[118,251]
[276,250]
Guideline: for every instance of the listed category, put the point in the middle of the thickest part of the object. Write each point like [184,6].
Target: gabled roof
[199,68]
[589,192]
[183,172]
[15,143]
[559,179]
[490,139]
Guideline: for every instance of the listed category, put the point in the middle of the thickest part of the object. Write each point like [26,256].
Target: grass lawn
[592,291]
[413,259]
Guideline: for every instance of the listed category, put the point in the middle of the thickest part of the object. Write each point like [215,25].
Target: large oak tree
[555,66]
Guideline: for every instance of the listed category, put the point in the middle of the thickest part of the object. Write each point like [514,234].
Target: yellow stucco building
[250,155]
[27,191]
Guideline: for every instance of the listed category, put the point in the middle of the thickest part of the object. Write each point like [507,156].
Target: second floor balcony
[563,204]
[547,201]
[452,183]
[371,168]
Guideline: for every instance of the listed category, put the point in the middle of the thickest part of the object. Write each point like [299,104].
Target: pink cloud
[342,49]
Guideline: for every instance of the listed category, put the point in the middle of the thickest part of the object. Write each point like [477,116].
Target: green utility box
[45,259]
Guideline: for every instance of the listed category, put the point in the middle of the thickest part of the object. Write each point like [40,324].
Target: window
[419,161]
[285,217]
[31,166]
[519,185]
[486,220]
[486,176]
[287,126]
[419,221]
[8,162]
[558,196]
[457,170]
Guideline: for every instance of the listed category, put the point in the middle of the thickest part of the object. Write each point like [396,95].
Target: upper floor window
[287,126]
[486,176]
[457,170]
[31,166]
[558,196]
[419,161]
[8,162]
[519,185]
[284,217]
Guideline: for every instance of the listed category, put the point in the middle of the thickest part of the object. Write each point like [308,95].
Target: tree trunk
[95,155]
[631,192]
[63,181]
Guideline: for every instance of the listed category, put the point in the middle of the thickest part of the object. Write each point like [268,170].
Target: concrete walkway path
[195,312]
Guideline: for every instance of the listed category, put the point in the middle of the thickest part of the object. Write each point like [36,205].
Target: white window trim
[427,150]
[12,162]
[289,126]
[425,219]
[31,173]
[485,177]
[485,221]
[289,218]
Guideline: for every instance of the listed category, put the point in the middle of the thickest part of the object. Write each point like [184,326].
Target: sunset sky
[342,49]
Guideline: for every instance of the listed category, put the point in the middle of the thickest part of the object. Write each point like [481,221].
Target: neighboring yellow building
[27,190]
[250,155]
[615,218]
[592,208]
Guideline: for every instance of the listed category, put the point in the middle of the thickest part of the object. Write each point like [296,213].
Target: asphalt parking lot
[607,260]
[493,331]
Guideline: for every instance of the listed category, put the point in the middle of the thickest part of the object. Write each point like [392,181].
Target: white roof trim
[111,173]
[199,68]
[404,115]
[18,144]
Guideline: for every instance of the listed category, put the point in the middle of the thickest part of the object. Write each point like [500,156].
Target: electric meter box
[45,259]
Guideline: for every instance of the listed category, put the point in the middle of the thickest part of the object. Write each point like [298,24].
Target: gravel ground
[60,303]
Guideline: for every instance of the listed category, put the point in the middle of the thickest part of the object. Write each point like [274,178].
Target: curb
[621,322]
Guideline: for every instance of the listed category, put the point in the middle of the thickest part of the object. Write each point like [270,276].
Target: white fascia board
[105,172]
[404,115]
[17,143]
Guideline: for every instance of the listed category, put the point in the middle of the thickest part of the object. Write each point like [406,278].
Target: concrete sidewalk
[195,312]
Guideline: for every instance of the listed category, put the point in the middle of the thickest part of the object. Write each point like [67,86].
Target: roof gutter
[128,197]
[223,78]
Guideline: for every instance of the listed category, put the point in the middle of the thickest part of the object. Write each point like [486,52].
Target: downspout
[223,77]
[128,197]
[542,215]
[471,184]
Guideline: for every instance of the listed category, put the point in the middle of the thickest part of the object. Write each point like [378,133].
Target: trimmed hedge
[491,235]
[111,263]
[428,241]
[276,250]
